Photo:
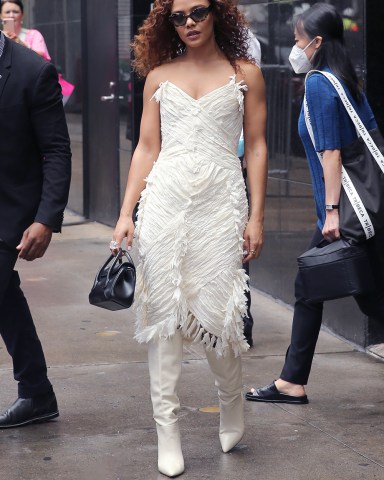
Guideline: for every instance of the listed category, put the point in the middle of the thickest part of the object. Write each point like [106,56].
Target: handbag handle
[346,181]
[322,243]
[116,258]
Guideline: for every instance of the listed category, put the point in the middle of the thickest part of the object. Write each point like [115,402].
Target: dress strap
[240,87]
[158,92]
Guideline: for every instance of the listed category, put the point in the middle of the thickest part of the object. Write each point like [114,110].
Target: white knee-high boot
[164,361]
[228,380]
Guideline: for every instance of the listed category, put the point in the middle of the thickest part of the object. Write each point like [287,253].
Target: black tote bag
[368,180]
[362,195]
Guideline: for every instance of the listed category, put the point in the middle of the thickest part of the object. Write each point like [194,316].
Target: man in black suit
[35,169]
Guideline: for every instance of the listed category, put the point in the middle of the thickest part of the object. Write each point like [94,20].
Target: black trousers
[307,318]
[18,330]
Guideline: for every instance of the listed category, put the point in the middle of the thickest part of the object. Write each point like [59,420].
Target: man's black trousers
[18,330]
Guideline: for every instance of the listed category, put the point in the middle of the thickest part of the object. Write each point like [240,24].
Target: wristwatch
[331,207]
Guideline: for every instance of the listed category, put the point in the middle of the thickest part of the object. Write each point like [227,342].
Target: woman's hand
[331,230]
[125,228]
[253,240]
[14,37]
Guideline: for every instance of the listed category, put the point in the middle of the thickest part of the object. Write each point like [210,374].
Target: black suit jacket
[35,155]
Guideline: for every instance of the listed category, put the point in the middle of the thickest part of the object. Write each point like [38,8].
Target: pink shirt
[35,40]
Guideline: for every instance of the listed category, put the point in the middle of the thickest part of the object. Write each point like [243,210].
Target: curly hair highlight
[157,41]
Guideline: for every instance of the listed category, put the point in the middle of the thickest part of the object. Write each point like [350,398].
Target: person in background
[254,49]
[14,10]
[35,170]
[319,45]
[30,38]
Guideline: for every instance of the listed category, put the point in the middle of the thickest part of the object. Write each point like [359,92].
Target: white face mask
[299,60]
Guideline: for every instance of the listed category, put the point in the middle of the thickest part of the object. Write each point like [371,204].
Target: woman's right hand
[15,38]
[125,228]
[331,230]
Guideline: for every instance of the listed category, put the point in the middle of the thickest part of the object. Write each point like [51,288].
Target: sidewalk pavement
[105,430]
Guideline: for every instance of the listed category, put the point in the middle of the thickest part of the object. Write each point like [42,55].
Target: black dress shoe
[271,394]
[30,410]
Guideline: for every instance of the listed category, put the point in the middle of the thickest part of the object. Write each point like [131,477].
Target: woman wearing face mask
[30,38]
[193,230]
[319,38]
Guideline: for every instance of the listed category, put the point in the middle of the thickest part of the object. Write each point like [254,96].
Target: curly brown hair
[157,41]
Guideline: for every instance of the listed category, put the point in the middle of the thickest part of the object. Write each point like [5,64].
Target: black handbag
[335,270]
[114,285]
[368,180]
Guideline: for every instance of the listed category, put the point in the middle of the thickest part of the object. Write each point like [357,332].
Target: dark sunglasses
[198,14]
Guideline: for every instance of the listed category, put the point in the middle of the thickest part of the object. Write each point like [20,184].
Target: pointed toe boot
[164,361]
[228,380]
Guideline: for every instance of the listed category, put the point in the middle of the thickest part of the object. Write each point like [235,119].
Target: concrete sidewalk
[105,430]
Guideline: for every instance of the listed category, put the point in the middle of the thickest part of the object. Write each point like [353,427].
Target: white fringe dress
[191,220]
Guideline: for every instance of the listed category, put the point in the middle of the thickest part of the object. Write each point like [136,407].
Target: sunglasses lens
[178,19]
[199,14]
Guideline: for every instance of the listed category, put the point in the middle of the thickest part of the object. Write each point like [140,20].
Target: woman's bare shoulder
[164,72]
[248,70]
[250,73]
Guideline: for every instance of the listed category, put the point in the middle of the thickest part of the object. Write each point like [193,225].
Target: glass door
[101,104]
[125,90]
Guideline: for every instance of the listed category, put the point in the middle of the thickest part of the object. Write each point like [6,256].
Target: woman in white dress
[194,230]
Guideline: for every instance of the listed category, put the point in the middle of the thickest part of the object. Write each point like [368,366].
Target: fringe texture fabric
[191,219]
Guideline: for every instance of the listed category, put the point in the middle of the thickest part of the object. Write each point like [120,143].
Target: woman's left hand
[253,240]
[331,230]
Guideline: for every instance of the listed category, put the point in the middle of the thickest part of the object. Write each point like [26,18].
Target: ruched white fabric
[191,220]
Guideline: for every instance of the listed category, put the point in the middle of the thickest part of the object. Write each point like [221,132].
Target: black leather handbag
[114,285]
[335,270]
